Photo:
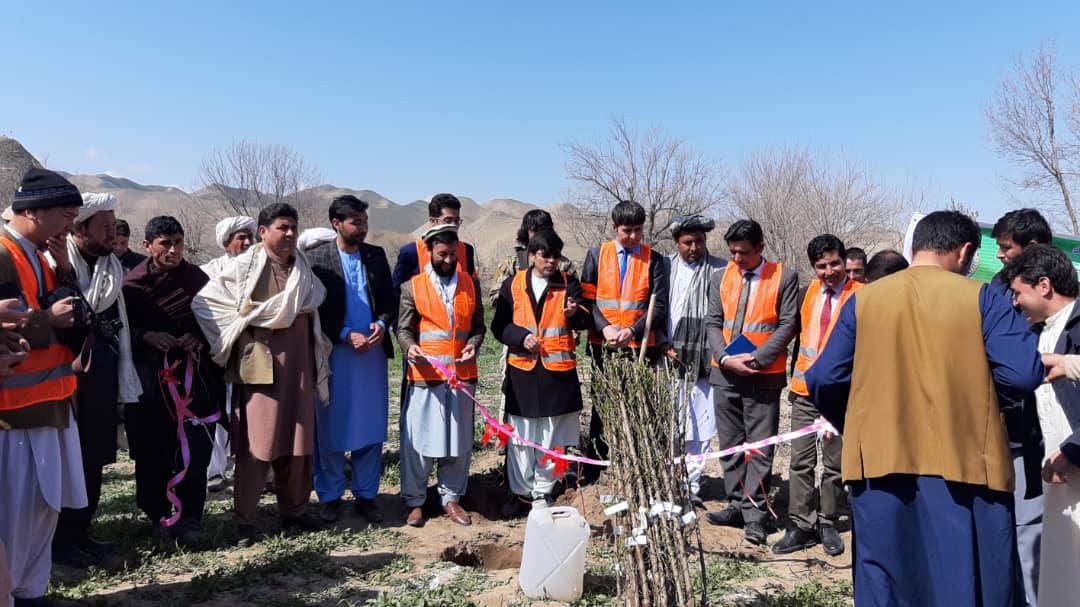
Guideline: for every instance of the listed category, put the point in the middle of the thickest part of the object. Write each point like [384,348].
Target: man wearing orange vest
[757,300]
[444,209]
[821,305]
[442,316]
[40,461]
[536,313]
[618,278]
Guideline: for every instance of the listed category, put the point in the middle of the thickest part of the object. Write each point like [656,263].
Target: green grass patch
[814,594]
[454,589]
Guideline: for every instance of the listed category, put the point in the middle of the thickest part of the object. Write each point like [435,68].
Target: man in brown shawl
[158,295]
[260,315]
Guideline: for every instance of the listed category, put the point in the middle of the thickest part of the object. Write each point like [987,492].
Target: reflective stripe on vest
[622,303]
[437,337]
[761,318]
[45,374]
[423,257]
[556,338]
[811,330]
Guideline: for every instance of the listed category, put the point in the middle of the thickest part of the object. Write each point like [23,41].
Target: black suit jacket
[408,263]
[382,293]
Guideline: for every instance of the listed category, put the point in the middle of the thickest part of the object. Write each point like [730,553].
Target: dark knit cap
[42,189]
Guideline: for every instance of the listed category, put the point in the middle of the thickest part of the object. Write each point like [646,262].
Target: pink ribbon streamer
[820,428]
[181,402]
[452,379]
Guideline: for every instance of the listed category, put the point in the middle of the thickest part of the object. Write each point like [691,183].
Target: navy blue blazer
[408,263]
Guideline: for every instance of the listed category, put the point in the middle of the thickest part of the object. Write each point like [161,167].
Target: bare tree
[662,174]
[199,216]
[1024,128]
[795,197]
[247,176]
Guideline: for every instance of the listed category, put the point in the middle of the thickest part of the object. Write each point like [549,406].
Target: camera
[80,309]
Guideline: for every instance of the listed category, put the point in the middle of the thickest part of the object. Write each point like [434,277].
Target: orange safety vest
[621,304]
[556,338]
[761,317]
[45,374]
[423,257]
[439,337]
[811,330]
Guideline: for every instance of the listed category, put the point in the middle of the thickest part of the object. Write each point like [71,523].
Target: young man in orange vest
[444,209]
[757,300]
[536,313]
[618,279]
[40,460]
[820,308]
[441,315]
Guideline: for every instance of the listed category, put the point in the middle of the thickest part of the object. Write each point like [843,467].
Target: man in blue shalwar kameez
[910,375]
[360,306]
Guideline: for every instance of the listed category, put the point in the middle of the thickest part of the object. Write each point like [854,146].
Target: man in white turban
[235,235]
[111,376]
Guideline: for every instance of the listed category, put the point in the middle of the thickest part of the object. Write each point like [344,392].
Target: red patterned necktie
[826,317]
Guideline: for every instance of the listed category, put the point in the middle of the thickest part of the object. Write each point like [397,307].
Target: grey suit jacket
[777,344]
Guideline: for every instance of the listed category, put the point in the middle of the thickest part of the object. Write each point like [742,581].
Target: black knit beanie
[41,189]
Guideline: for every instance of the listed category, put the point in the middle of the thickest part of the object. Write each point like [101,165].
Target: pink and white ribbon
[181,402]
[820,427]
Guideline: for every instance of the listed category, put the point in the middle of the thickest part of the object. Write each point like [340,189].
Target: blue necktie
[623,256]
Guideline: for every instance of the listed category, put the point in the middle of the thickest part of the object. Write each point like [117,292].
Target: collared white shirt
[539,284]
[835,295]
[31,253]
[755,279]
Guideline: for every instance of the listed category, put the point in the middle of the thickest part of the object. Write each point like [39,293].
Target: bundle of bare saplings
[653,527]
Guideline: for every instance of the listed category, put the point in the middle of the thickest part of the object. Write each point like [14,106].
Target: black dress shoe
[245,536]
[831,541]
[728,517]
[755,533]
[795,539]
[189,532]
[97,548]
[72,556]
[35,602]
[329,511]
[304,522]
[367,509]
[513,508]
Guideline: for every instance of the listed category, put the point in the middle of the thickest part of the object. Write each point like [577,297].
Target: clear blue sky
[476,98]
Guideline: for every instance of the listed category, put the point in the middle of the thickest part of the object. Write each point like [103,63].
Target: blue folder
[740,345]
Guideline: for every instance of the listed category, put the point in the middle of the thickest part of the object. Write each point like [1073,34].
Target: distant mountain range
[491,226]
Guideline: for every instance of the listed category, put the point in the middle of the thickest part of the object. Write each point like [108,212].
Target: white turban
[313,236]
[94,203]
[231,225]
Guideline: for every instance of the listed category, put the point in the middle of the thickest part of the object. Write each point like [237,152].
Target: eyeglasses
[451,221]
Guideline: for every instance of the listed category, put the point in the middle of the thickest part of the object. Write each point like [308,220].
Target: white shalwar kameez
[700,414]
[41,472]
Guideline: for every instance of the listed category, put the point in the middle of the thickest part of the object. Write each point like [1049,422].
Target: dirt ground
[353,563]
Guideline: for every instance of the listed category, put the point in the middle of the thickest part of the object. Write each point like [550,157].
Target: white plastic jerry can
[553,559]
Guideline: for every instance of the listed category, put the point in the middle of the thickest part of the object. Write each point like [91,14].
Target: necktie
[826,317]
[623,256]
[740,311]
